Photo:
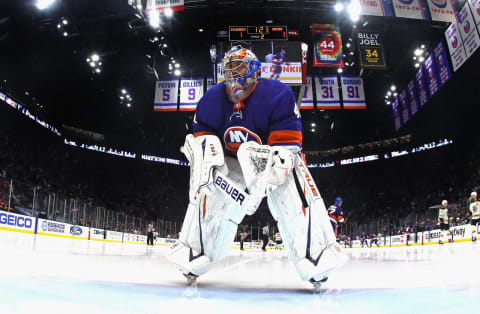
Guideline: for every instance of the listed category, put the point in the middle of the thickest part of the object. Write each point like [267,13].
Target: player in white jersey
[443,222]
[263,142]
[474,208]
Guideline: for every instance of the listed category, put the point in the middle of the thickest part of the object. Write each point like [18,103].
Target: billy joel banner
[413,98]
[327,93]
[375,7]
[353,92]
[191,90]
[421,86]
[166,93]
[441,61]
[455,46]
[475,5]
[327,50]
[442,10]
[371,51]
[471,40]
[307,99]
[412,9]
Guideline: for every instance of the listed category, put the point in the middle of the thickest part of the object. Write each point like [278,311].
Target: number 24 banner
[191,90]
[353,92]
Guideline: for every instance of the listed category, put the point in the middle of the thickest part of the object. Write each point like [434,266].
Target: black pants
[150,238]
[265,241]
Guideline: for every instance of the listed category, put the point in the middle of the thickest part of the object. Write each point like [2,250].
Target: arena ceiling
[36,57]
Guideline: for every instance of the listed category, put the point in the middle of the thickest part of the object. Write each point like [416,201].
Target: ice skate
[191,279]
[317,284]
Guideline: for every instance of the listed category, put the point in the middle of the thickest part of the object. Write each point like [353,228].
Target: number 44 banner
[353,92]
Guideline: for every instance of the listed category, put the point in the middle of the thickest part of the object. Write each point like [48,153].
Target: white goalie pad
[209,226]
[304,224]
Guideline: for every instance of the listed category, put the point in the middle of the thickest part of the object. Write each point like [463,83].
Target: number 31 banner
[327,92]
[327,49]
[353,92]
[191,90]
[166,92]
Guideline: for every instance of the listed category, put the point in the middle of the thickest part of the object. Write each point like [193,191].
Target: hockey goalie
[246,146]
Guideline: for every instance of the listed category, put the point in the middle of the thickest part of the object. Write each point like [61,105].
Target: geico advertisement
[9,220]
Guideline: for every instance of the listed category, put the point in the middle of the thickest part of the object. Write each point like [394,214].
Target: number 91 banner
[353,92]
[191,90]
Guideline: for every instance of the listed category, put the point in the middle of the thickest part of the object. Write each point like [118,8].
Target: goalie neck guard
[242,71]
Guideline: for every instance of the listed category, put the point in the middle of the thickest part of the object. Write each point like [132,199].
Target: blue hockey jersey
[268,116]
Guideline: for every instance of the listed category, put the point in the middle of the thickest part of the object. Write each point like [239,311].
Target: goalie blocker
[219,202]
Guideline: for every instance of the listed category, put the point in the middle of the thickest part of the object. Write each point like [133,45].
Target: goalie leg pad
[304,225]
[208,229]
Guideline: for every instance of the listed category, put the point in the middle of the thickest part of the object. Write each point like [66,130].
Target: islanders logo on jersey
[236,135]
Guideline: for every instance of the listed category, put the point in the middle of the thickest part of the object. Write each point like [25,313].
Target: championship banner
[421,87]
[442,10]
[413,98]
[307,100]
[455,46]
[353,92]
[397,120]
[166,93]
[191,90]
[161,5]
[327,93]
[475,6]
[404,106]
[431,75]
[441,61]
[327,51]
[412,9]
[210,82]
[471,40]
[375,7]
[371,51]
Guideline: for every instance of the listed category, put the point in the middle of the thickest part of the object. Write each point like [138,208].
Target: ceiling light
[417,65]
[200,30]
[351,53]
[124,91]
[129,105]
[65,34]
[393,88]
[121,97]
[168,12]
[348,45]
[313,124]
[414,58]
[97,70]
[422,46]
[44,4]
[389,93]
[346,63]
[58,25]
[340,70]
[65,21]
[338,7]
[88,59]
[354,9]
[177,65]
[421,59]
[177,72]
[418,52]
[154,19]
[365,23]
[395,94]
[95,57]
[388,102]
[313,130]
[92,64]
[164,45]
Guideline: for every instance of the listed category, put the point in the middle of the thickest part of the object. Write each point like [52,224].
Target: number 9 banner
[353,92]
[191,90]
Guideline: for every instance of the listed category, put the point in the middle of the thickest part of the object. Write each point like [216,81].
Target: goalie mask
[242,71]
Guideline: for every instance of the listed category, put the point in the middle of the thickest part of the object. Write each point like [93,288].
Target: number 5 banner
[327,92]
[352,92]
[166,92]
[191,90]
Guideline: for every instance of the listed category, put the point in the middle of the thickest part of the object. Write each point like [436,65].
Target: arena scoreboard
[249,33]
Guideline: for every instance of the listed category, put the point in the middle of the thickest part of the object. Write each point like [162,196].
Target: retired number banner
[327,51]
[166,93]
[441,61]
[191,90]
[475,5]
[413,98]
[161,5]
[455,46]
[412,9]
[371,51]
[210,82]
[404,106]
[307,99]
[397,120]
[353,92]
[421,86]
[375,7]
[327,93]
[431,75]
[471,40]
[442,10]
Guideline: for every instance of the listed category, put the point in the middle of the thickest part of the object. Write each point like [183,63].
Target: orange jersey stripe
[285,136]
[203,133]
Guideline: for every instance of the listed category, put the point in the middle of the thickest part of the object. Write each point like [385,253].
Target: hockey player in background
[335,213]
[246,146]
[474,208]
[443,222]
[374,240]
[278,60]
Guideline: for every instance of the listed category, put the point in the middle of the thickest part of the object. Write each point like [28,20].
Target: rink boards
[26,224]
